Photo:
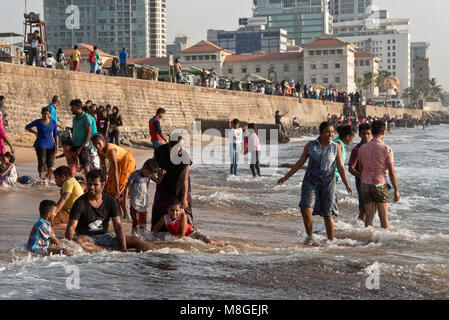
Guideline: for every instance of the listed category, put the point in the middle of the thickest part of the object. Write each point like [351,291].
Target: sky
[428,22]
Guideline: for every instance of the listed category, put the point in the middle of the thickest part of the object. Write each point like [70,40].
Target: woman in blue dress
[318,194]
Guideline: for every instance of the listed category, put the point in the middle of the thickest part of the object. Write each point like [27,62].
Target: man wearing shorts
[375,159]
[90,216]
[82,132]
[354,168]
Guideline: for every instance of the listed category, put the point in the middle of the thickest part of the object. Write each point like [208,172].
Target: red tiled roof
[324,42]
[264,56]
[362,54]
[204,46]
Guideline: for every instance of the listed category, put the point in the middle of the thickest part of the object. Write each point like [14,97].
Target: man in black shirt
[90,216]
[176,161]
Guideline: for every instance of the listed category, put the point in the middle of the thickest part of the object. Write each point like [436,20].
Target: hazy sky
[429,21]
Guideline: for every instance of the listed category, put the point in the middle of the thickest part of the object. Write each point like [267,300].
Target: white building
[366,64]
[272,66]
[329,62]
[349,10]
[206,55]
[388,39]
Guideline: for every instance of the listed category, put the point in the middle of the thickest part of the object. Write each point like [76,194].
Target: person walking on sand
[375,159]
[46,144]
[318,193]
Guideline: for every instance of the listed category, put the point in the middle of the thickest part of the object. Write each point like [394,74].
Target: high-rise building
[304,20]
[250,39]
[349,10]
[138,25]
[381,36]
[420,67]
[181,42]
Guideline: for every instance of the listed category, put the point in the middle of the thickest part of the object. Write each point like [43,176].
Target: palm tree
[435,91]
[413,94]
[381,80]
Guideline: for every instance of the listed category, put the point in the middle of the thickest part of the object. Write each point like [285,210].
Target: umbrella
[193,70]
[252,77]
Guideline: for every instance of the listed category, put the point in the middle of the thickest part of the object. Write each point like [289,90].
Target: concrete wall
[28,89]
[393,112]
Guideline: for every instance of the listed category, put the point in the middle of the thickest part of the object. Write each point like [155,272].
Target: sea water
[262,225]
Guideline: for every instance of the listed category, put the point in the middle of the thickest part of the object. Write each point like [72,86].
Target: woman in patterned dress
[122,164]
[318,194]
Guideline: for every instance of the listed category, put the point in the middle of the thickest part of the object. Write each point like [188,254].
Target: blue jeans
[234,158]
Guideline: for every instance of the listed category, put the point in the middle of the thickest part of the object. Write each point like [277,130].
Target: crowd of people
[99,178]
[91,146]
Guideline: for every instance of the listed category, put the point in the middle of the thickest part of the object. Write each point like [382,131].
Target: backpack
[92,56]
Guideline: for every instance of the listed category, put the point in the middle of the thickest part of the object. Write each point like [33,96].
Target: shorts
[61,218]
[104,240]
[361,203]
[84,156]
[41,251]
[375,193]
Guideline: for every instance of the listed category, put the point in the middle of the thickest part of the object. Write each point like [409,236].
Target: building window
[337,66]
[389,60]
[207,57]
[362,63]
[258,69]
[200,58]
[286,67]
[389,54]
[311,53]
[394,67]
[325,66]
[389,67]
[394,60]
[339,51]
[394,54]
[325,80]
[299,67]
[230,70]
[313,66]
[394,73]
[394,47]
[187,58]
[313,80]
[367,63]
[194,58]
[213,57]
[318,52]
[325,52]
[332,52]
[243,69]
[394,41]
[356,63]
[337,79]
[389,41]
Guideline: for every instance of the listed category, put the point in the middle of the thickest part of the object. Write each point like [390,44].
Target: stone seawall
[28,89]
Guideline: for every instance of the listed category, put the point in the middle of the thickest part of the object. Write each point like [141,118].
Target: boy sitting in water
[42,233]
[71,190]
[177,224]
[137,188]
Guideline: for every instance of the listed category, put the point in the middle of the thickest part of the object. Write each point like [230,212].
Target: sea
[262,226]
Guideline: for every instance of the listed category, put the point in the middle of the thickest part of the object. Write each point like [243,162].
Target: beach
[262,224]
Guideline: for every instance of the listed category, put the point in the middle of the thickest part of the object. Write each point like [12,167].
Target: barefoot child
[42,233]
[8,175]
[137,189]
[177,225]
[72,159]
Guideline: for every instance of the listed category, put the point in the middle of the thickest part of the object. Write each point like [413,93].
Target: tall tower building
[138,25]
[304,20]
[349,10]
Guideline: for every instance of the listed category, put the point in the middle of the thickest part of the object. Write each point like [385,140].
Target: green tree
[381,80]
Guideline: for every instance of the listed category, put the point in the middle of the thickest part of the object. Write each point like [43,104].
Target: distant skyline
[428,22]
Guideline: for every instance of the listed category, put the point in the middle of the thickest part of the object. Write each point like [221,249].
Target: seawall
[28,89]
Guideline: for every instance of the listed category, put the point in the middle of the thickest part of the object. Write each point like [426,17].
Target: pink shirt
[253,143]
[375,157]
